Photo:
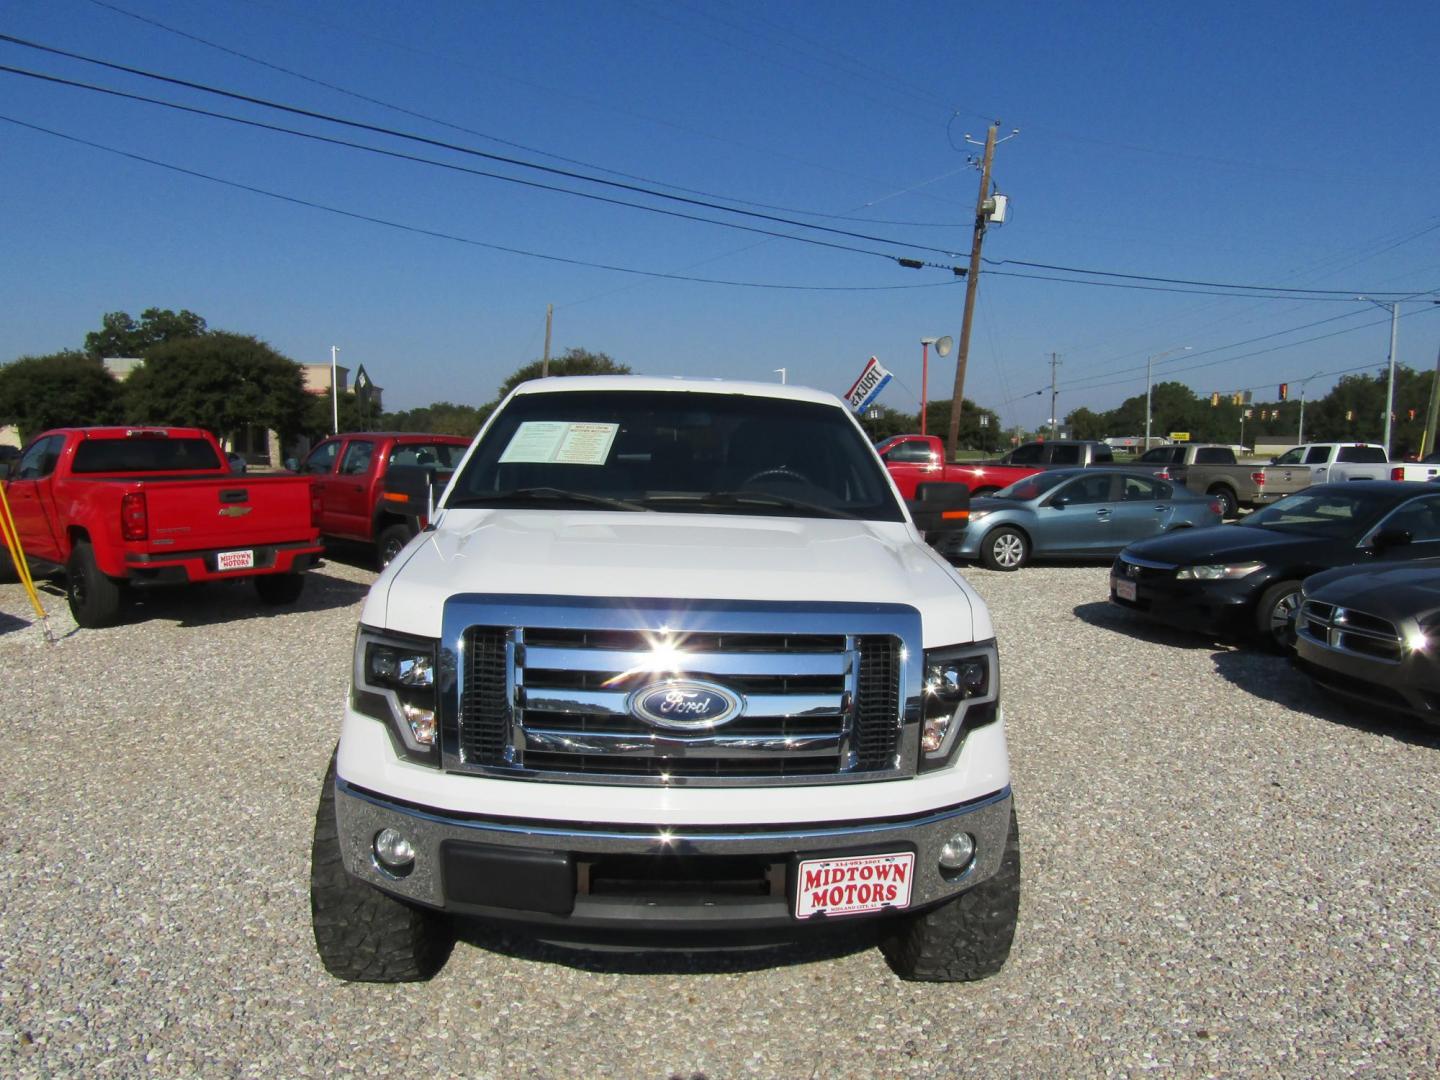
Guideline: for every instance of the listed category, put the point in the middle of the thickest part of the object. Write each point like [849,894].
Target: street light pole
[925,343]
[1149,366]
[1390,379]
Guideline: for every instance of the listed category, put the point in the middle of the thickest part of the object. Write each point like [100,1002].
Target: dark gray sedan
[1372,634]
[1077,514]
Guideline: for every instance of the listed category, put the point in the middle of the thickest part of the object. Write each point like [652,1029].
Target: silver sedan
[1076,514]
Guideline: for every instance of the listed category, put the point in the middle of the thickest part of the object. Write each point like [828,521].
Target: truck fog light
[958,853]
[933,737]
[422,724]
[394,852]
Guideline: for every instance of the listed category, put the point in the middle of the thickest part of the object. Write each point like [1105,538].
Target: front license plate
[853,885]
[1125,590]
[235,560]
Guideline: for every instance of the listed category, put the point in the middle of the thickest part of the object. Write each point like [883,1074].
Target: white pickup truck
[672,659]
[1322,463]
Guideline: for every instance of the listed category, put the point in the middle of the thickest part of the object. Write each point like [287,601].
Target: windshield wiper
[545,494]
[723,499]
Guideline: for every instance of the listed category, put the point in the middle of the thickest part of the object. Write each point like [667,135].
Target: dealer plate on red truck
[853,885]
[235,560]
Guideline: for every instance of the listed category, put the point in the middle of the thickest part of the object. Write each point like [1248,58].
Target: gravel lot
[1224,874]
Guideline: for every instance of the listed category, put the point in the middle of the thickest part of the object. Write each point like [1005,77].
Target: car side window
[39,461]
[1143,489]
[322,458]
[1027,455]
[910,453]
[1103,454]
[1087,489]
[1419,517]
[1290,457]
[1318,455]
[1065,455]
[1368,455]
[358,456]
[1214,455]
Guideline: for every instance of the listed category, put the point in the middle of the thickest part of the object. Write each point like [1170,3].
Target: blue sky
[1288,144]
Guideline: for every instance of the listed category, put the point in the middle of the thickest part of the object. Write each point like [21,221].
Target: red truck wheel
[392,541]
[94,598]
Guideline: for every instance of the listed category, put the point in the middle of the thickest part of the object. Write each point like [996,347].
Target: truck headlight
[1218,571]
[395,682]
[961,691]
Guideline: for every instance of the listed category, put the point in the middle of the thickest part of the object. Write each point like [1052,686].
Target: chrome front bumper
[460,858]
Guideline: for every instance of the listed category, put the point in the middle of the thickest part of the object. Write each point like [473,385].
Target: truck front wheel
[94,598]
[966,938]
[362,934]
[391,542]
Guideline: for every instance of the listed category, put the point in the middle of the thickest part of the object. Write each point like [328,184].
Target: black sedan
[1245,578]
[1372,634]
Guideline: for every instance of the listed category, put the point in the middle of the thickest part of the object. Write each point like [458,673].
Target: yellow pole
[22,568]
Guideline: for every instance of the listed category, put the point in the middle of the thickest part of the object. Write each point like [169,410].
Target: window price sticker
[560,442]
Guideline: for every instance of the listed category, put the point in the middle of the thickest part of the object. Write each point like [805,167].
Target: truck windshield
[145,454]
[676,452]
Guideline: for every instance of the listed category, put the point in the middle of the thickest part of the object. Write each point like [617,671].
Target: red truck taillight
[134,517]
[1397,473]
[1258,477]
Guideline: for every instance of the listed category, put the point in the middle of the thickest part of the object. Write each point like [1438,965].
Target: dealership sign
[867,388]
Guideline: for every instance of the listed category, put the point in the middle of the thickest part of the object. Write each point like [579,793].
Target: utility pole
[1054,419]
[335,385]
[1390,382]
[545,363]
[972,282]
[1427,440]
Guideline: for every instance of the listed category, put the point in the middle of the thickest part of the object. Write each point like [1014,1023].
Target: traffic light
[1284,391]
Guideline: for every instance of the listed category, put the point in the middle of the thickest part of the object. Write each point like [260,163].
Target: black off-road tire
[94,599]
[361,934]
[1278,604]
[276,590]
[1004,548]
[391,542]
[1229,507]
[966,938]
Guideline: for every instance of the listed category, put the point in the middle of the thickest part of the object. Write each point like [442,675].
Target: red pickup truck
[349,472]
[918,459]
[117,507]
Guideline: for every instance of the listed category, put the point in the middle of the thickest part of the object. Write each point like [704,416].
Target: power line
[435,233]
[495,138]
[1349,294]
[915,263]
[440,144]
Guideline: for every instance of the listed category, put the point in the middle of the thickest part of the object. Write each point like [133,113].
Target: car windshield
[1333,513]
[675,452]
[1032,487]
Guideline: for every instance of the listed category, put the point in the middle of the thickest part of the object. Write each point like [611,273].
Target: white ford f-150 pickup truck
[671,660]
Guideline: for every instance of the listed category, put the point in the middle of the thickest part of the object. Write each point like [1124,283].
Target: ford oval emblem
[685,705]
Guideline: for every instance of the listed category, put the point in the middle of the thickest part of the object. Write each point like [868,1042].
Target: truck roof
[677,384]
[134,431]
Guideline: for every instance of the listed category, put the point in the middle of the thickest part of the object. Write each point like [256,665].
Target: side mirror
[1388,538]
[1060,502]
[1274,461]
[292,464]
[940,507]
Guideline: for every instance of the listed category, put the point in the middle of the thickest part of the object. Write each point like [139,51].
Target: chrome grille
[1348,630]
[540,696]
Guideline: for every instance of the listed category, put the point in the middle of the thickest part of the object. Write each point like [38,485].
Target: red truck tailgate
[225,512]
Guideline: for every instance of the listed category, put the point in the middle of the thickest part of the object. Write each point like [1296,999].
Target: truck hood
[679,556]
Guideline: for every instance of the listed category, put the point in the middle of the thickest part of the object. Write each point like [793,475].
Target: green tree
[63,389]
[221,382]
[441,417]
[974,435]
[570,362]
[1085,424]
[121,335]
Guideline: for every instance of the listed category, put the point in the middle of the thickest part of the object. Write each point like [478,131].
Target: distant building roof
[122,366]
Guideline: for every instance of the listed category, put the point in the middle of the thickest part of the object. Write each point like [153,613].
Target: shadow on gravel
[644,958]
[9,623]
[1274,678]
[1109,617]
[232,601]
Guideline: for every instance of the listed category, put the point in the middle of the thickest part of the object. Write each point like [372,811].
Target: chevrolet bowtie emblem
[234,511]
